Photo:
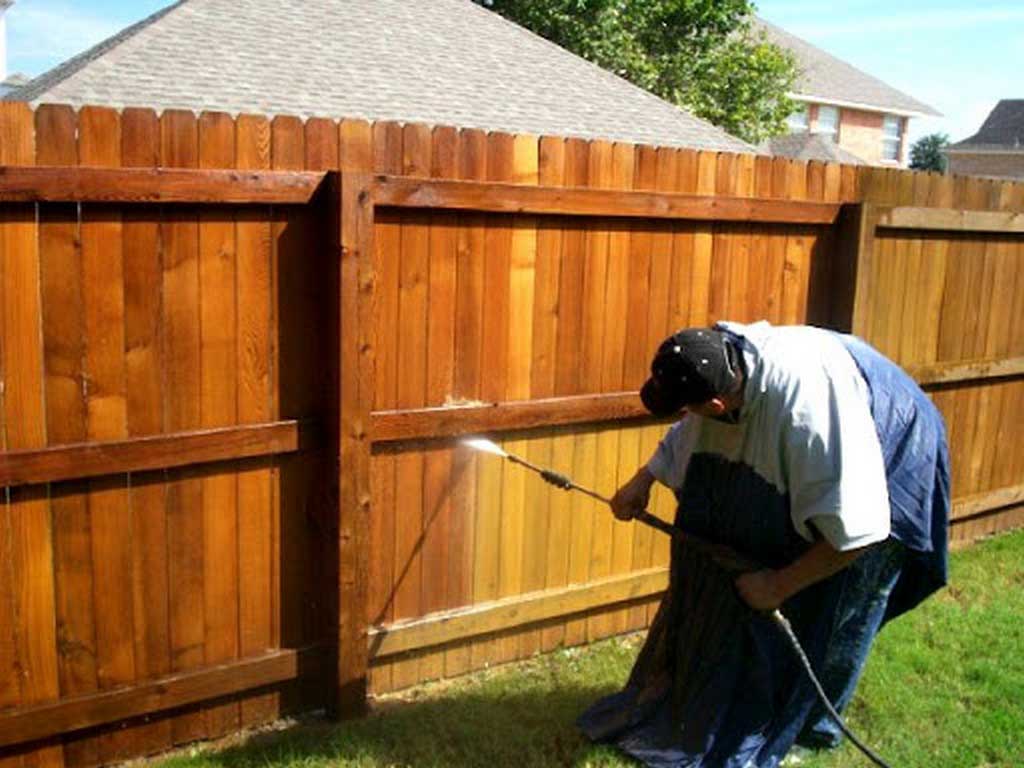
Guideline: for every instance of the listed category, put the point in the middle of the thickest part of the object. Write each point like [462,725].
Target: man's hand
[760,590]
[632,498]
[766,590]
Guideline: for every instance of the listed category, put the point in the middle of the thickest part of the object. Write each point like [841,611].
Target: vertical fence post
[864,266]
[850,289]
[356,386]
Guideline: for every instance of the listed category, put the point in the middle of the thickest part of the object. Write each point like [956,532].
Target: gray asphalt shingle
[827,78]
[445,62]
[809,146]
[1002,129]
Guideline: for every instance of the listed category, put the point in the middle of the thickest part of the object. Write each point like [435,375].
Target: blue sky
[959,56]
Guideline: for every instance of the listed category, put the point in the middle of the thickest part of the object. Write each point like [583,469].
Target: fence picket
[143,306]
[254,296]
[218,407]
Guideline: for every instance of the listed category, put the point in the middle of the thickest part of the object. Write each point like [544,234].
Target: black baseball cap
[691,366]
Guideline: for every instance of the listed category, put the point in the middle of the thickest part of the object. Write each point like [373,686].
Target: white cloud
[40,36]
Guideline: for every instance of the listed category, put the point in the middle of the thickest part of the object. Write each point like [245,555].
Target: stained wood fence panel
[132,320]
[525,537]
[945,291]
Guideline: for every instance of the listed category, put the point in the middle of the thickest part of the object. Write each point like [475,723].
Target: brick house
[997,149]
[865,117]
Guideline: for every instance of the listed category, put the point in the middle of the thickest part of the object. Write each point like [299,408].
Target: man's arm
[632,497]
[768,589]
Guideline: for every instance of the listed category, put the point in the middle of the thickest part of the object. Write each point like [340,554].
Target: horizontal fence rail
[465,623]
[987,501]
[975,370]
[405,192]
[181,449]
[456,420]
[41,184]
[949,220]
[171,692]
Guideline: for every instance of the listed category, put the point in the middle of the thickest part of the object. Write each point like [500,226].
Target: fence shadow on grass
[465,729]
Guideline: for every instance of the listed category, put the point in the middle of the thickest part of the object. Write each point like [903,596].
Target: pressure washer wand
[561,481]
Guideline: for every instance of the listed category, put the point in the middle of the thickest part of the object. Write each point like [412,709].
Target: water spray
[724,556]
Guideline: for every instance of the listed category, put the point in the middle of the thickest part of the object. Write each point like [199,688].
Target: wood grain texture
[254,350]
[179,234]
[171,692]
[411,372]
[385,157]
[218,407]
[156,185]
[494,377]
[523,554]
[519,610]
[518,198]
[63,345]
[356,299]
[443,527]
[613,444]
[550,508]
[29,523]
[103,311]
[577,255]
[142,259]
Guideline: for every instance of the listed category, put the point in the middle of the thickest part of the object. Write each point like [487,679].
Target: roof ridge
[607,74]
[58,74]
[833,60]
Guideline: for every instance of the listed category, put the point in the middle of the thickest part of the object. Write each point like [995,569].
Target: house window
[798,121]
[892,135]
[827,123]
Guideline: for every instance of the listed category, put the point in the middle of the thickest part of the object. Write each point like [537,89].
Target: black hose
[784,624]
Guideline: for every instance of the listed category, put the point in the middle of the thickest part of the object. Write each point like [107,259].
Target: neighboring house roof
[447,62]
[825,78]
[17,80]
[808,146]
[1002,130]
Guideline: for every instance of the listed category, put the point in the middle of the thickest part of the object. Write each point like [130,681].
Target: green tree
[703,55]
[926,154]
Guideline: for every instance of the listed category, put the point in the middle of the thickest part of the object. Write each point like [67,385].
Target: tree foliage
[926,154]
[703,55]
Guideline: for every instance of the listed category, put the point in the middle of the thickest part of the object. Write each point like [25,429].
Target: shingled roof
[445,62]
[827,79]
[809,146]
[1003,129]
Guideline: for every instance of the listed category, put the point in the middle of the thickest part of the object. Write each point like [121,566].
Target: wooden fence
[233,387]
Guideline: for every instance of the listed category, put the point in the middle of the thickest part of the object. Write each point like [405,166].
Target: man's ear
[717,406]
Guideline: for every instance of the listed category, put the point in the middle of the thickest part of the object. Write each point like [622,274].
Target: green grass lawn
[944,687]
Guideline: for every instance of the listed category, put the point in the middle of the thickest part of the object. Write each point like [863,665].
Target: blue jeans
[864,598]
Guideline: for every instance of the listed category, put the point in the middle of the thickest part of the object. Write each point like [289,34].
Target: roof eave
[976,150]
[889,110]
